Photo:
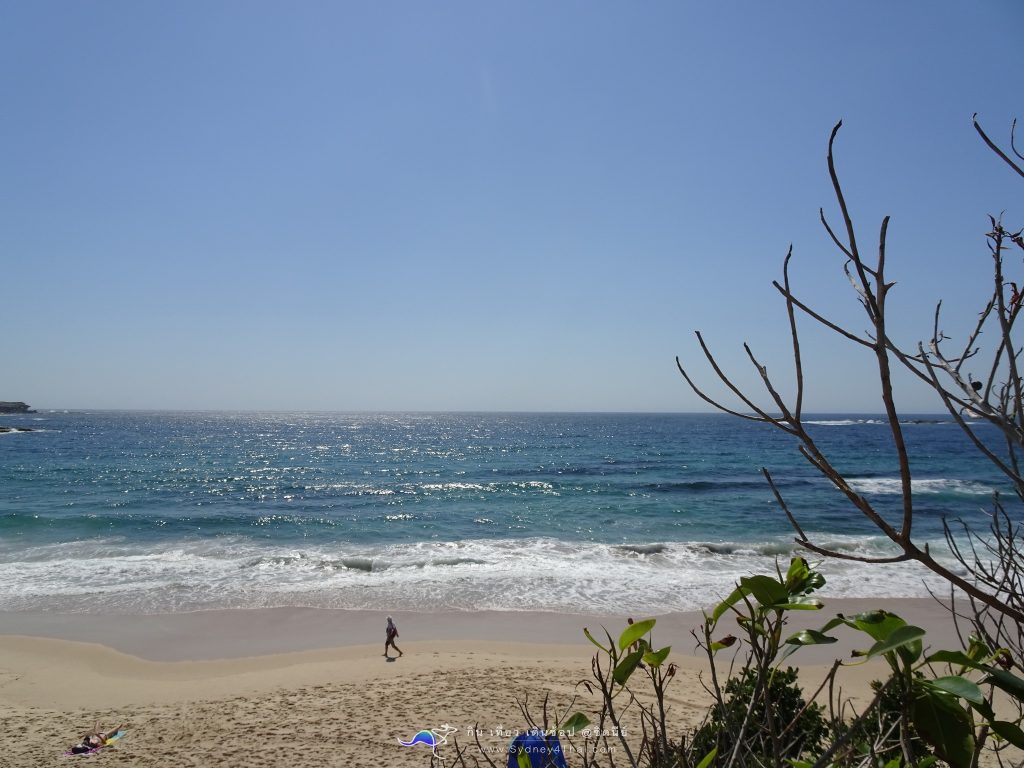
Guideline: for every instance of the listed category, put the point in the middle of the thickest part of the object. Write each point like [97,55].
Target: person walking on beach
[392,633]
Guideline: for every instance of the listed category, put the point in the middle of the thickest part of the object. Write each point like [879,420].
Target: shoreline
[221,634]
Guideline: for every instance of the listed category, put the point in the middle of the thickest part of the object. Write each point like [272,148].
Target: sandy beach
[312,687]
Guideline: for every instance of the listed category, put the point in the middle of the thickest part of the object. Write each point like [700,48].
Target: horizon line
[396,411]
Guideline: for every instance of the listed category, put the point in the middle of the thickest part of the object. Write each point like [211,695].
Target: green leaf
[767,590]
[906,637]
[805,604]
[944,725]
[877,624]
[977,648]
[876,616]
[522,759]
[708,758]
[805,637]
[575,723]
[626,667]
[1009,731]
[954,657]
[984,709]
[810,637]
[1000,678]
[726,642]
[800,579]
[757,627]
[734,597]
[837,622]
[654,659]
[798,569]
[815,581]
[634,632]
[958,686]
[590,637]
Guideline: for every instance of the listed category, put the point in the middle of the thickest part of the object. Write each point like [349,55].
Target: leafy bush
[780,720]
[879,735]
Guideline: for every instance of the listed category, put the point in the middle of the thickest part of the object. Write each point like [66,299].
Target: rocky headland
[14,407]
[7,407]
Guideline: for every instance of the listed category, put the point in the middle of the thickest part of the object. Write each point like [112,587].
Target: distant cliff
[19,407]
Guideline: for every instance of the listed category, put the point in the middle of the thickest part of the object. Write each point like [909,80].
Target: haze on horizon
[508,207]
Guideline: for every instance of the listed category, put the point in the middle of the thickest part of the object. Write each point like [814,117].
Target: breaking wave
[938,485]
[514,574]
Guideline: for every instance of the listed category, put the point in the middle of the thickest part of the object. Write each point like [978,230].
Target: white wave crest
[892,485]
[842,422]
[517,574]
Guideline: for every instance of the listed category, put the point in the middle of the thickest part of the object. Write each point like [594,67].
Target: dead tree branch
[997,398]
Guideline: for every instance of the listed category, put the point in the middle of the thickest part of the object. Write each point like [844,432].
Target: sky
[511,206]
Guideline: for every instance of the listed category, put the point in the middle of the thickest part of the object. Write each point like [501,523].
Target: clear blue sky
[476,205]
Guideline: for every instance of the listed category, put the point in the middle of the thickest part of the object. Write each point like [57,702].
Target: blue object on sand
[544,751]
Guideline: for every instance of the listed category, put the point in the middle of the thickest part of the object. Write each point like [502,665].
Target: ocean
[151,512]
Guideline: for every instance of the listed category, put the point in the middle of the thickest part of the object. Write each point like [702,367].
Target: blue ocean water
[152,512]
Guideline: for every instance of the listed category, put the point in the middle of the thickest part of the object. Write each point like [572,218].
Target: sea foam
[515,574]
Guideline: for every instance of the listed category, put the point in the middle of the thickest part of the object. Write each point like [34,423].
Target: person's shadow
[390,659]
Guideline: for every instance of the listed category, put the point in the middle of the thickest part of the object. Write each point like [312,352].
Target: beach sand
[306,687]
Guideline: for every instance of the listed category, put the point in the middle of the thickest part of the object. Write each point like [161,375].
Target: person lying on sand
[94,740]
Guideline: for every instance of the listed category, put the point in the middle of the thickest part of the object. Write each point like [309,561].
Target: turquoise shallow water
[143,512]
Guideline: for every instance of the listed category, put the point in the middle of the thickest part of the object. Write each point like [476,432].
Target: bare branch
[994,148]
[850,233]
[795,338]
[782,503]
[763,372]
[997,399]
[810,451]
[728,382]
[832,234]
[902,558]
[881,248]
[714,403]
[821,319]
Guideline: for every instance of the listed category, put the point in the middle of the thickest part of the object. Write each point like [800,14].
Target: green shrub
[798,732]
[880,734]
